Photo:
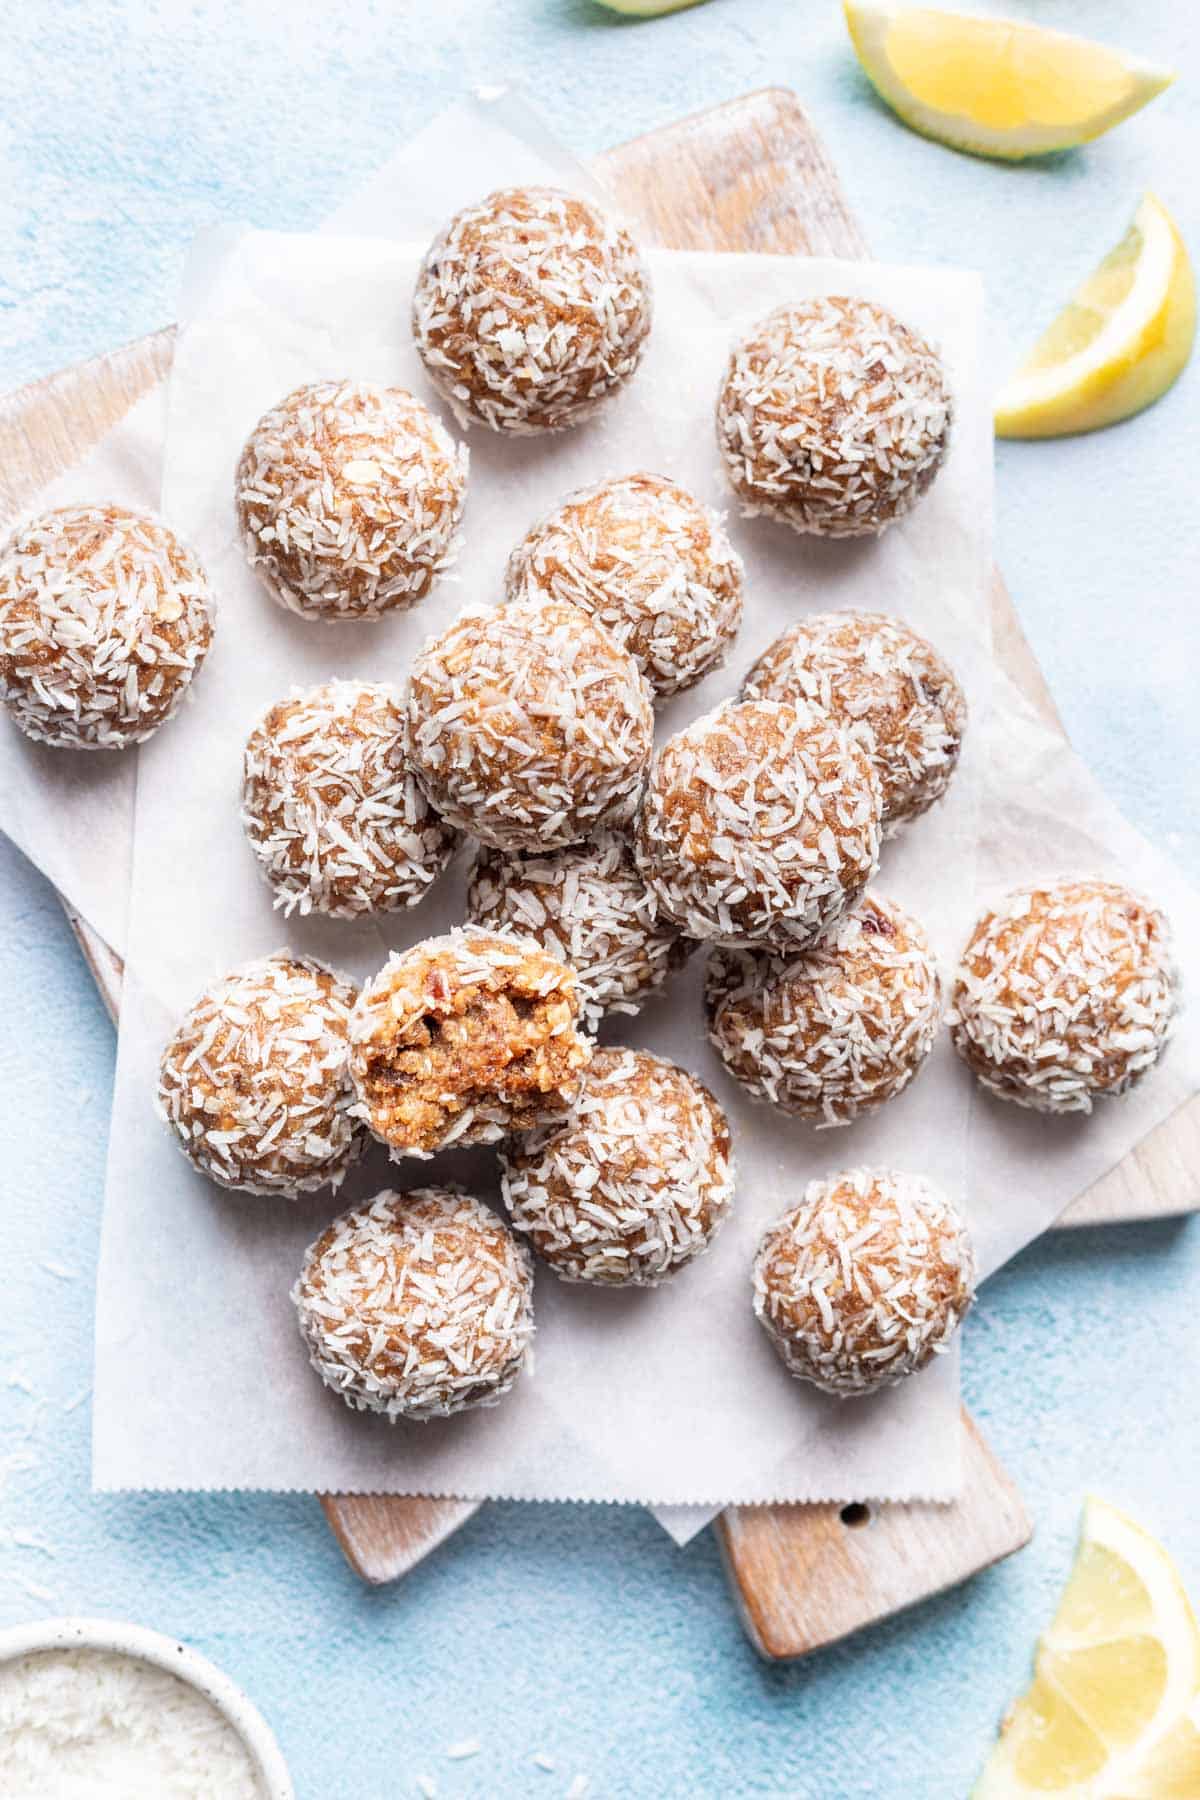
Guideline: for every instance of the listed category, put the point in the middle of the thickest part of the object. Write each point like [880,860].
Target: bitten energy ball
[589,905]
[865,1281]
[834,1032]
[464,1038]
[255,1083]
[874,670]
[651,564]
[634,1184]
[349,497]
[417,1305]
[528,726]
[105,617]
[760,825]
[530,309]
[1066,993]
[333,814]
[833,417]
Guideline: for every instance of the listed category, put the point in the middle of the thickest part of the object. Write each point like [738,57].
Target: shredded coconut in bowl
[86,1724]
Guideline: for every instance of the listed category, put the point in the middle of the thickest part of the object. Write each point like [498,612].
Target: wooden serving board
[750,175]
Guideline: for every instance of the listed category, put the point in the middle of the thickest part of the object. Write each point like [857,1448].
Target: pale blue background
[582,1632]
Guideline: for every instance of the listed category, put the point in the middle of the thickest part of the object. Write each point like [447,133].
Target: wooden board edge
[807,1577]
[383,1536]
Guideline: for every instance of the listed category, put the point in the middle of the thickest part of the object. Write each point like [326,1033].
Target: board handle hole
[856,1515]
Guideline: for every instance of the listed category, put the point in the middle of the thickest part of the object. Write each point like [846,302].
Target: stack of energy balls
[599,862]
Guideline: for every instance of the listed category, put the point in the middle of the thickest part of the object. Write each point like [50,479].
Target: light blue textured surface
[582,1632]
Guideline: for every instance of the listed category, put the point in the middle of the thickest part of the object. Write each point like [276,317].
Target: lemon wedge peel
[1113,1712]
[647,9]
[996,87]
[1122,340]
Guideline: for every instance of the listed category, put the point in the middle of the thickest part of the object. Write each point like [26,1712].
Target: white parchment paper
[669,1397]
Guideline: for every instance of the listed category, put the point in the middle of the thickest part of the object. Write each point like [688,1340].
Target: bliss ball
[105,617]
[833,417]
[349,497]
[871,669]
[634,1184]
[529,727]
[833,1032]
[760,825]
[652,564]
[464,1038]
[530,309]
[335,817]
[417,1305]
[1066,993]
[589,905]
[255,1083]
[865,1281]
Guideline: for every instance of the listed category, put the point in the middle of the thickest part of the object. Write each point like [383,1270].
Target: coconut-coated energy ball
[349,497]
[760,825]
[528,726]
[417,1305]
[635,1183]
[255,1083]
[865,1281]
[530,309]
[464,1038]
[833,417]
[105,617]
[338,822]
[872,669]
[833,1032]
[652,564]
[588,904]
[1066,993]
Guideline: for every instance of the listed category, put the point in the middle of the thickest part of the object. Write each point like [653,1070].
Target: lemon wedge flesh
[996,87]
[1119,343]
[1113,1712]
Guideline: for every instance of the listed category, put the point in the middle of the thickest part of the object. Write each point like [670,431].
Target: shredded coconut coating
[872,669]
[349,497]
[464,1038]
[528,726]
[588,904]
[652,564]
[335,817]
[634,1184]
[417,1305]
[105,617]
[530,309]
[1066,993]
[835,1032]
[865,1281]
[760,824]
[833,417]
[255,1083]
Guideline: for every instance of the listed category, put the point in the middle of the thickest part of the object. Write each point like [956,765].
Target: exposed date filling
[469,1046]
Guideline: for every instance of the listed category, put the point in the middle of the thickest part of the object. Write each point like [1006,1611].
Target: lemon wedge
[1113,1712]
[1119,343]
[996,87]
[647,9]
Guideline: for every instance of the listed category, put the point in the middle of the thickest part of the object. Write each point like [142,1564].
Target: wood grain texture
[804,1576]
[748,175]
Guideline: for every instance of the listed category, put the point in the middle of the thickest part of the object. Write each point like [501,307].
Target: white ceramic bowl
[165,1653]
